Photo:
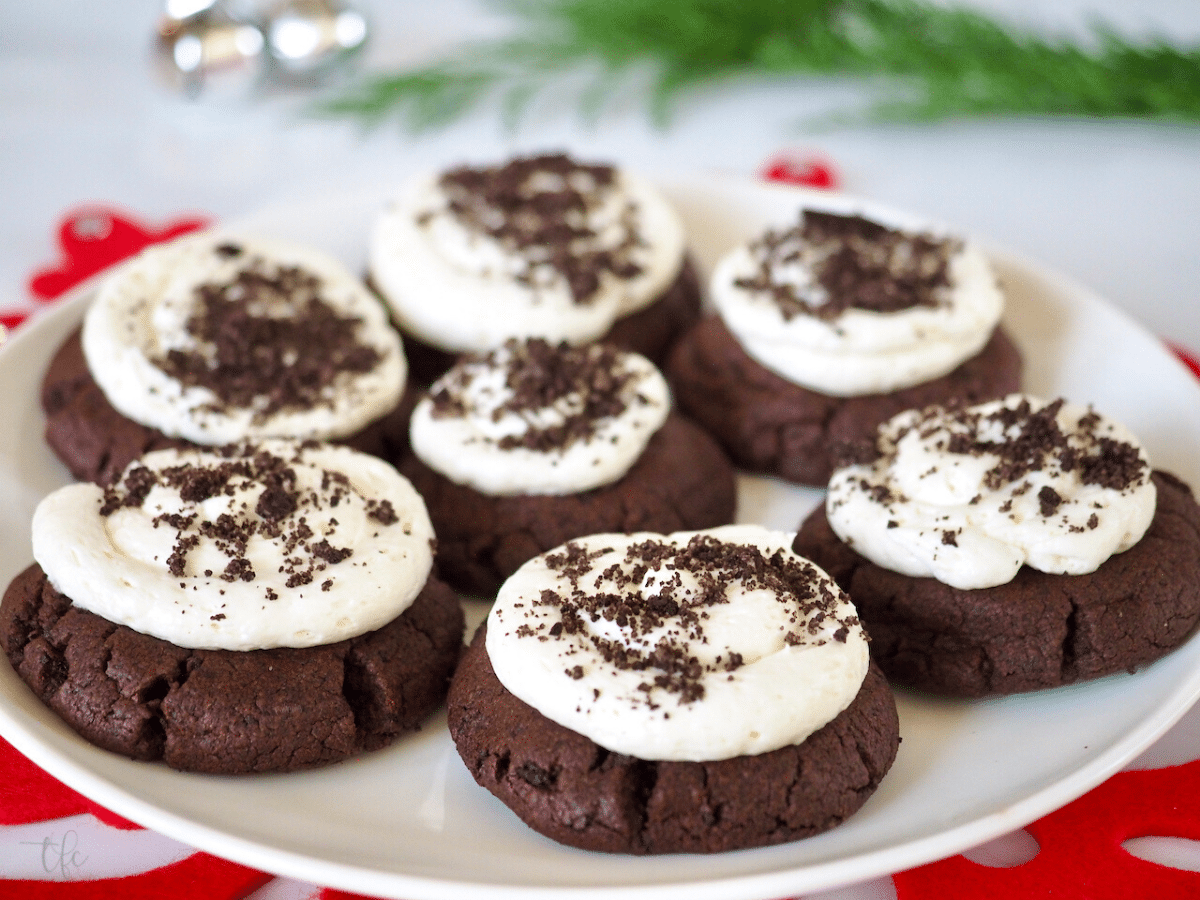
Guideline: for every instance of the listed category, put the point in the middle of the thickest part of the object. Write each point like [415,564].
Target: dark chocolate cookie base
[96,442]
[650,331]
[568,788]
[768,424]
[682,481]
[654,329]
[225,711]
[1037,631]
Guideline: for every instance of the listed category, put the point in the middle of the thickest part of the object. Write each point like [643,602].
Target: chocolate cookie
[226,711]
[96,442]
[682,481]
[1037,631]
[650,331]
[564,786]
[768,424]
[653,330]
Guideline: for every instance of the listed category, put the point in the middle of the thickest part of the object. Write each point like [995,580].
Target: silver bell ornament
[231,46]
[209,46]
[310,38]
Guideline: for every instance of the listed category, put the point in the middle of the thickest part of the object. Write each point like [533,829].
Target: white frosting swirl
[969,496]
[214,565]
[460,289]
[141,315]
[749,647]
[858,351]
[529,418]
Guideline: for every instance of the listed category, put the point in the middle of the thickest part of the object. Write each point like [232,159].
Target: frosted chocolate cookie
[216,338]
[831,327]
[248,609]
[1010,546]
[685,693]
[540,246]
[523,448]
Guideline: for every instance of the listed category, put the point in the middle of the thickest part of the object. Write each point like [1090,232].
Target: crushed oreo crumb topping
[277,515]
[860,452]
[1049,500]
[584,385]
[267,341]
[1033,440]
[540,208]
[1017,440]
[132,491]
[715,568]
[382,511]
[855,263]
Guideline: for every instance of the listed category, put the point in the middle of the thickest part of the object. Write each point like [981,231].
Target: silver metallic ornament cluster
[229,45]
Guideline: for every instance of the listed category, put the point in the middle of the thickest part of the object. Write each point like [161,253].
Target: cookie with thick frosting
[674,693]
[253,608]
[1009,547]
[829,328]
[532,444]
[541,246]
[217,338]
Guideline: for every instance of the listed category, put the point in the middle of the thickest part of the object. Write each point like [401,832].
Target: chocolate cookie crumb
[1049,500]
[585,385]
[277,514]
[1033,441]
[537,207]
[856,264]
[137,485]
[717,567]
[382,512]
[267,341]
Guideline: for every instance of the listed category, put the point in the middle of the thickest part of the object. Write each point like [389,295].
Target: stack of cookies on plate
[290,474]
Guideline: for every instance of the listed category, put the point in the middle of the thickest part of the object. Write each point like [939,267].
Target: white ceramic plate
[409,822]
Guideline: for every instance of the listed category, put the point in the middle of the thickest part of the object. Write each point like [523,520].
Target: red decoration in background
[198,877]
[11,320]
[1186,356]
[807,171]
[28,794]
[92,238]
[1080,855]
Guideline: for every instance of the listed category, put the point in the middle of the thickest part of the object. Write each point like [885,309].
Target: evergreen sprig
[923,61]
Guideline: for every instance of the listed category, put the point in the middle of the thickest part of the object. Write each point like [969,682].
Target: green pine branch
[921,61]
